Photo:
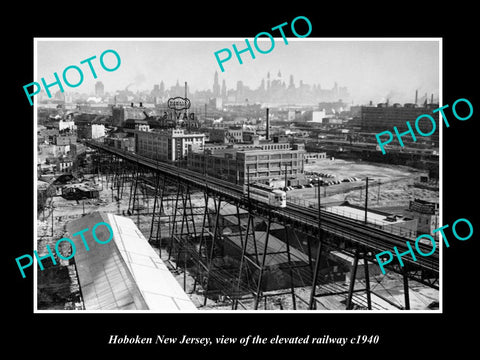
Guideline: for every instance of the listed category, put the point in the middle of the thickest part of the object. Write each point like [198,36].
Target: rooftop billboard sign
[178,103]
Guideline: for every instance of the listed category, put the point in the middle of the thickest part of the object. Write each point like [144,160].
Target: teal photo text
[225,54]
[29,259]
[428,122]
[73,75]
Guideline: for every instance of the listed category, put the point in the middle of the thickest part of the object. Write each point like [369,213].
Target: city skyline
[371,69]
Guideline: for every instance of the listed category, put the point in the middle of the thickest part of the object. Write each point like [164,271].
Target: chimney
[416,96]
[268,127]
[431,99]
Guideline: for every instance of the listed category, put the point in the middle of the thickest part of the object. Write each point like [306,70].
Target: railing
[235,191]
[397,229]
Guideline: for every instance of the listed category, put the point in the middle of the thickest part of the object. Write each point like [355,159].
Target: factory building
[426,213]
[168,144]
[265,163]
[383,117]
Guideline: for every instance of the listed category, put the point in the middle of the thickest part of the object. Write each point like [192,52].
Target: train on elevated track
[264,193]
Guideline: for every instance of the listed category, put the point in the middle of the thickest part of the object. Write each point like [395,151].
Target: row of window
[271,157]
[276,147]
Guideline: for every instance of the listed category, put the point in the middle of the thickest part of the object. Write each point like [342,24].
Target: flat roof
[276,248]
[373,216]
[125,273]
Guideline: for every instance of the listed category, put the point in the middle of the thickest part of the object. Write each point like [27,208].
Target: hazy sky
[371,69]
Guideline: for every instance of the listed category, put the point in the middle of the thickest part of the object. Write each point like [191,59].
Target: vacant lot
[389,185]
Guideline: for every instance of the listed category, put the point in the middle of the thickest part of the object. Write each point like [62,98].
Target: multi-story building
[65,139]
[67,124]
[233,134]
[426,213]
[121,113]
[384,117]
[242,164]
[90,131]
[168,144]
[99,89]
[120,141]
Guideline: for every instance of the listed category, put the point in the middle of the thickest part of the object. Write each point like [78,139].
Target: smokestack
[431,99]
[416,96]
[268,127]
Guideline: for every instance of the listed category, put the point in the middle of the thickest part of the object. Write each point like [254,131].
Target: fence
[398,229]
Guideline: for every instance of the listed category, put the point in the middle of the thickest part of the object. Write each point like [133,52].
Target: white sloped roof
[125,273]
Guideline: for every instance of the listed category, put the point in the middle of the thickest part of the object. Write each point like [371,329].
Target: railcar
[273,197]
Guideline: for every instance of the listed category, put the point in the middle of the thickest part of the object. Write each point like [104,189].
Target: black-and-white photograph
[272,174]
[214,179]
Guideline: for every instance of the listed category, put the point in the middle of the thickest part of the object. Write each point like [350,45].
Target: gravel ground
[57,286]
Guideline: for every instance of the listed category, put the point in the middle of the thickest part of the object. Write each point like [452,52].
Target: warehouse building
[264,163]
[168,144]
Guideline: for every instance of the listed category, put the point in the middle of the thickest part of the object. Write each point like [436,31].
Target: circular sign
[178,103]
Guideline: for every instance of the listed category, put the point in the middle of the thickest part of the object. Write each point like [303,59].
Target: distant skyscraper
[216,86]
[239,85]
[99,89]
[224,89]
[291,85]
[262,85]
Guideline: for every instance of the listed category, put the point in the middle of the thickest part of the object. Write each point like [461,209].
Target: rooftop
[373,216]
[125,273]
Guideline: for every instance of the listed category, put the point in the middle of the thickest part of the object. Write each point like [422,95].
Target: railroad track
[374,239]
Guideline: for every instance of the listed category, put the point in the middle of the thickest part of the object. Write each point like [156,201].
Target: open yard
[390,186]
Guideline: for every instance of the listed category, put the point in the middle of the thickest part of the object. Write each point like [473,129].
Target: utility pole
[267,126]
[366,200]
[52,216]
[312,303]
[248,183]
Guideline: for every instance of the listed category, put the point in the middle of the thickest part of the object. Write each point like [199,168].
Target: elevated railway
[355,235]
[375,239]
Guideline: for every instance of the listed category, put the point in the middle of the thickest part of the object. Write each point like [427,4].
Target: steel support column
[352,281]
[406,289]
[243,255]
[312,303]
[262,267]
[289,258]
[212,248]
[367,281]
